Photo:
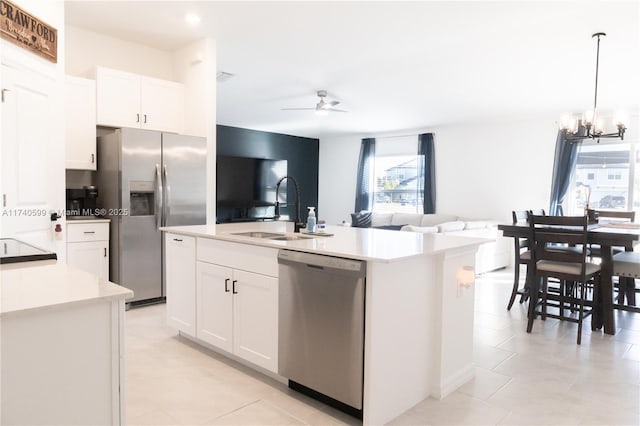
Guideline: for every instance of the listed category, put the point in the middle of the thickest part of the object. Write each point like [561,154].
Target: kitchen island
[62,345]
[222,291]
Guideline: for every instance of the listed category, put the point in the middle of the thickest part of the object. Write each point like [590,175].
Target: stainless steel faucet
[297,225]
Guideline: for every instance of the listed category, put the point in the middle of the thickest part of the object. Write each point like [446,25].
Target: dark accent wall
[301,155]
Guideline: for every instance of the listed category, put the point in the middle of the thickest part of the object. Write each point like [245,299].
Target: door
[181,282]
[214,305]
[118,98]
[185,177]
[32,161]
[255,319]
[80,119]
[161,105]
[91,256]
[140,254]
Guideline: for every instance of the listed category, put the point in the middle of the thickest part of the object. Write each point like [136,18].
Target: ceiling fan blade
[333,103]
[297,109]
[335,110]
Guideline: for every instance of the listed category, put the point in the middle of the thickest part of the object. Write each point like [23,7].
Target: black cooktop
[14,251]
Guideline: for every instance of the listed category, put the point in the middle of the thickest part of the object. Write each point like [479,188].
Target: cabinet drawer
[246,257]
[177,240]
[79,232]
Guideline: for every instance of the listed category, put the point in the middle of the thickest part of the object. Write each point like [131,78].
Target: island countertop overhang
[352,243]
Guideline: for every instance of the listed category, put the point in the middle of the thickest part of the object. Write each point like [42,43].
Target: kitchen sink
[289,238]
[272,236]
[258,234]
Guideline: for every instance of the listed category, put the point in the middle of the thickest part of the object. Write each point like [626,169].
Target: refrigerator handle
[158,206]
[167,192]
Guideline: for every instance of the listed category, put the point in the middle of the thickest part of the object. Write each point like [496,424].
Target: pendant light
[590,120]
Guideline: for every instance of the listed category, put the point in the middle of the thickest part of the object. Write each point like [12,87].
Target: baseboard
[453,382]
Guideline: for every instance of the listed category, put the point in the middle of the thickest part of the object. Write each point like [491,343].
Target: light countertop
[42,285]
[352,243]
[80,219]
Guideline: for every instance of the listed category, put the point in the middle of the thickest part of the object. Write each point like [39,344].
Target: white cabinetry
[80,123]
[229,300]
[237,311]
[131,100]
[88,247]
[180,279]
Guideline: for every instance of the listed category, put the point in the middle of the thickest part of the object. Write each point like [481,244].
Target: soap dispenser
[311,220]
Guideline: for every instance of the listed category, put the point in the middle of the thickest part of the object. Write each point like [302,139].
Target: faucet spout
[297,224]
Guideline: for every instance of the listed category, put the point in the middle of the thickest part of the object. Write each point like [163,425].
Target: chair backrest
[616,214]
[551,231]
[519,216]
[539,212]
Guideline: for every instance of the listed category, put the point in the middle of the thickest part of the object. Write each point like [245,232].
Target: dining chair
[522,256]
[626,266]
[618,216]
[579,279]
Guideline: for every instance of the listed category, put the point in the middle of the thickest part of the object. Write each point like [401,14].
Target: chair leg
[543,308]
[514,290]
[533,300]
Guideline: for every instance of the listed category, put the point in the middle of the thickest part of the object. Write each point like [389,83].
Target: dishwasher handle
[322,263]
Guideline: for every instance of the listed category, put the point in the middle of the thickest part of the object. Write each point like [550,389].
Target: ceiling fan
[322,107]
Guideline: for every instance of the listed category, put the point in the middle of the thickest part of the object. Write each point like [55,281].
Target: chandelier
[593,126]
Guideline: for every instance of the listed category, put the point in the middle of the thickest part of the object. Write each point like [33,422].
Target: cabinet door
[80,120]
[180,276]
[214,306]
[118,98]
[255,319]
[91,256]
[162,105]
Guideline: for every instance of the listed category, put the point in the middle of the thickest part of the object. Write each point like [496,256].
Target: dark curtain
[427,170]
[364,184]
[563,164]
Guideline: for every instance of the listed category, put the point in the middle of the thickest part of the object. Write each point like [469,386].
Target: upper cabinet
[80,123]
[131,100]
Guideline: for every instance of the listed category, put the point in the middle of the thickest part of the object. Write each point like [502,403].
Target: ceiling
[394,65]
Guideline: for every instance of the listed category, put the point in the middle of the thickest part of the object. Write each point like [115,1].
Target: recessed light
[192,19]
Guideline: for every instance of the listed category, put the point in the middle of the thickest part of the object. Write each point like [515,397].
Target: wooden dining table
[607,235]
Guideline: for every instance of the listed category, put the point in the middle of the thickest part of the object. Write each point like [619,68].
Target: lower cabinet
[88,247]
[237,311]
[231,304]
[180,280]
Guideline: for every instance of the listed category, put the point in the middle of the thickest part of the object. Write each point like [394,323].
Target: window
[397,175]
[606,177]
[396,184]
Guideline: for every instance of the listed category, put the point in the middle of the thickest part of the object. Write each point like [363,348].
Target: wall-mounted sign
[27,31]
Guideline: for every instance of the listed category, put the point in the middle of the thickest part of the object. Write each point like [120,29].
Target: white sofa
[491,255]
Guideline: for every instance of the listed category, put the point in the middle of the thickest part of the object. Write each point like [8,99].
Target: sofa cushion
[475,224]
[436,219]
[361,220]
[406,219]
[451,226]
[421,229]
[381,219]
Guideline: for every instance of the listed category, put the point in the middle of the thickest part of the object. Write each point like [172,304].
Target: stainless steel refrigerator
[148,179]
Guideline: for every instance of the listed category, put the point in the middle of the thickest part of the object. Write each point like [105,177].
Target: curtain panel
[427,173]
[365,179]
[564,162]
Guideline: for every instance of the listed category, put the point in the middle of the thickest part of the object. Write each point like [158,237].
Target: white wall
[86,49]
[482,170]
[195,66]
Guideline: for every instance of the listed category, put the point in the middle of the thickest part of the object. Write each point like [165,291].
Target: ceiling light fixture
[192,19]
[222,76]
[570,125]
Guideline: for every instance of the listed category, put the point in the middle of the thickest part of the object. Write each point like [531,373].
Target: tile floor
[542,378]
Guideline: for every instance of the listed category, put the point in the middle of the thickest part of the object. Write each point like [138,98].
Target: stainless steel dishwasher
[321,327]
